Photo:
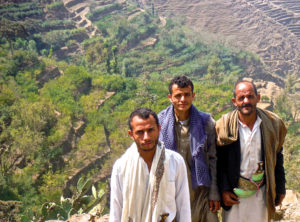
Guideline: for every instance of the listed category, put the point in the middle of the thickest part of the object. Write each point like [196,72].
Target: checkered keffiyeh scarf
[198,121]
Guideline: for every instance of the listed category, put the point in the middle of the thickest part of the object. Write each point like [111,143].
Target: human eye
[150,130]
[139,132]
[178,96]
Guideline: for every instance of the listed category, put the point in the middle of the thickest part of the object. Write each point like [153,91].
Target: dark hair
[182,82]
[244,81]
[143,113]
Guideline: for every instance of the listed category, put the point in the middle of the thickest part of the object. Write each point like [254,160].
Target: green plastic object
[257,177]
[249,187]
[243,193]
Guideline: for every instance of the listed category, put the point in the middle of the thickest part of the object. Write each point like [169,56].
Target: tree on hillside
[215,69]
[291,84]
[288,104]
[24,138]
[11,30]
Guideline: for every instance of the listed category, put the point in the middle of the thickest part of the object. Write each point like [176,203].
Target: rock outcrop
[268,90]
[289,211]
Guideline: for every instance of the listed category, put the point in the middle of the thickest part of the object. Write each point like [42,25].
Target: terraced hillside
[67,88]
[269,28]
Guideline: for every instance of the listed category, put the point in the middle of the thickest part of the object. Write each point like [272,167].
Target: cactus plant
[79,203]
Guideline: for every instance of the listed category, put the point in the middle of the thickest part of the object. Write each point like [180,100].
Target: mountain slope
[269,28]
[67,88]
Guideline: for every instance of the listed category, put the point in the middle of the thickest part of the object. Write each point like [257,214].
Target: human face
[181,98]
[245,99]
[144,132]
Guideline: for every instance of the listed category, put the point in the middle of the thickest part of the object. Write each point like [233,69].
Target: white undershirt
[250,142]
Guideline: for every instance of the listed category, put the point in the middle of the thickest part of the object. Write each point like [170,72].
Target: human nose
[146,136]
[182,98]
[246,100]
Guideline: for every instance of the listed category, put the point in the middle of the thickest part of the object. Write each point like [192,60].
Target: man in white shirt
[250,171]
[148,183]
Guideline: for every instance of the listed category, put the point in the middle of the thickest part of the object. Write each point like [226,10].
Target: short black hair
[246,81]
[143,113]
[182,82]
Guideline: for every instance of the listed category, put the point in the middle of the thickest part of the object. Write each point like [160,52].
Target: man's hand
[279,198]
[230,198]
[214,205]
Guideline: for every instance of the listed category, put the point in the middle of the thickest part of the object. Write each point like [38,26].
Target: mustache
[247,105]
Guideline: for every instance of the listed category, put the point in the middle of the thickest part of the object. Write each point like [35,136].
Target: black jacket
[228,169]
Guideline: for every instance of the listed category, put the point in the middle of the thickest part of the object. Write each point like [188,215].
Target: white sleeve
[116,200]
[183,213]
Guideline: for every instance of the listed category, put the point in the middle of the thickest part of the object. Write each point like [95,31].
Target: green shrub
[57,5]
[114,83]
[58,38]
[97,13]
[52,24]
[265,98]
[79,203]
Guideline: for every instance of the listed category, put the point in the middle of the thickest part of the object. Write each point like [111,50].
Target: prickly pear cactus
[79,203]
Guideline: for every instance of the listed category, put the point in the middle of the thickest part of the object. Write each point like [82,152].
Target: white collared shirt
[250,141]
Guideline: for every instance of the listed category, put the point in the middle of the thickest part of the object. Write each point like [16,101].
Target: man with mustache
[250,171]
[148,183]
[191,133]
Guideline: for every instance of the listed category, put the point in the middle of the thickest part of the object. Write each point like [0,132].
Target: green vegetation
[58,38]
[16,11]
[11,30]
[287,106]
[97,13]
[55,5]
[56,23]
[62,117]
[79,203]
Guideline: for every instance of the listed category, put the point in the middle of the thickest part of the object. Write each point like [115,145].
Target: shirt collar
[184,122]
[256,124]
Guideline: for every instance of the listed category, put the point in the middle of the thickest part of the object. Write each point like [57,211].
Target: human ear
[130,134]
[258,98]
[233,101]
[170,97]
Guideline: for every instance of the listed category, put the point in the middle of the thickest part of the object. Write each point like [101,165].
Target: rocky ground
[289,211]
[84,218]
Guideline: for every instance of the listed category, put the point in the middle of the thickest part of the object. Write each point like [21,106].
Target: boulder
[289,210]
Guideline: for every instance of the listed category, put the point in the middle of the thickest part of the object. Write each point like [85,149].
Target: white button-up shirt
[250,141]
